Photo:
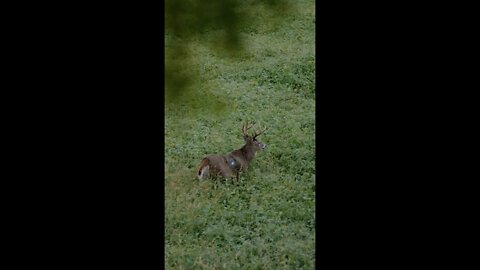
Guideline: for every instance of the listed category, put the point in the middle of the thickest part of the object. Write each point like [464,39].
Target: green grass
[268,220]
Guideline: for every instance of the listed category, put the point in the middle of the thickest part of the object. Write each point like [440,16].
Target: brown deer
[231,164]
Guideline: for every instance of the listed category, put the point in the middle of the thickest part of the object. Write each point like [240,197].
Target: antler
[246,127]
[258,133]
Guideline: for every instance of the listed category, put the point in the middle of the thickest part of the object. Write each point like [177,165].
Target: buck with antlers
[231,164]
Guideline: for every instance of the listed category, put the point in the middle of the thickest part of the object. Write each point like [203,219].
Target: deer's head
[251,141]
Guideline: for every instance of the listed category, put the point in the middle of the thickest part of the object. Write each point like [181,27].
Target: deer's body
[231,164]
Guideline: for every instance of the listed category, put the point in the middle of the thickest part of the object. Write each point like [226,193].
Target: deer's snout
[263,146]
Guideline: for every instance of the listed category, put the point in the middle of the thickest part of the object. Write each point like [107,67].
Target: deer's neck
[248,153]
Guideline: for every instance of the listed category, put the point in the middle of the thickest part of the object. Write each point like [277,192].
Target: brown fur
[231,164]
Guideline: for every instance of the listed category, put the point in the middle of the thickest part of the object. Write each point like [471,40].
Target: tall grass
[268,220]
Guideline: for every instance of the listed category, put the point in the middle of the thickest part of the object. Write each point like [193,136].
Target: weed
[267,221]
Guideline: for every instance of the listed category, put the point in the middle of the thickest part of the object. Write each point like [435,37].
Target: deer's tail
[203,168]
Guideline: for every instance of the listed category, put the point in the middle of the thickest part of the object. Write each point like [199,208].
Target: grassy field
[268,220]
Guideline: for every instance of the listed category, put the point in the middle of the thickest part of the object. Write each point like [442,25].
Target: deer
[231,164]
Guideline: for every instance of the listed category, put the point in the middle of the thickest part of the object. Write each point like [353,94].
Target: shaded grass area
[267,221]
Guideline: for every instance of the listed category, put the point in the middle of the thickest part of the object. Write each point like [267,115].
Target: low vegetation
[267,221]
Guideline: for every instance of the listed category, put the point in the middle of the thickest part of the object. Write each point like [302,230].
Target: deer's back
[219,165]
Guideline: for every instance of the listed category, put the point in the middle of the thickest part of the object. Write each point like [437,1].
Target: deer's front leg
[236,177]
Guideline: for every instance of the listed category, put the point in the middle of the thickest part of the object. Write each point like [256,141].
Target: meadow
[267,221]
